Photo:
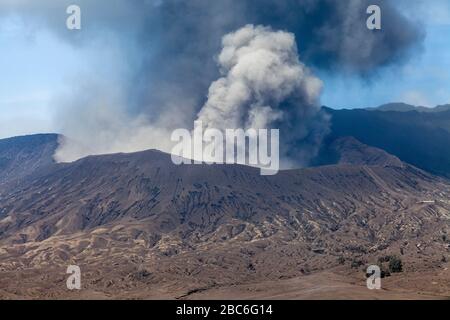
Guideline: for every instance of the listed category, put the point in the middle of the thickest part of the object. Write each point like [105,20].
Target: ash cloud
[265,85]
[166,59]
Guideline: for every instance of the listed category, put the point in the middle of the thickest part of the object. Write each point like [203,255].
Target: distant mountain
[22,156]
[140,226]
[348,150]
[419,138]
[403,107]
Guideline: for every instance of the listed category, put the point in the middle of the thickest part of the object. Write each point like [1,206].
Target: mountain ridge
[404,107]
[418,138]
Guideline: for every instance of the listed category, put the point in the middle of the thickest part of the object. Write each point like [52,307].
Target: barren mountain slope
[139,226]
[22,156]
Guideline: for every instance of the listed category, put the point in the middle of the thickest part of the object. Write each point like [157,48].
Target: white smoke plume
[95,121]
[265,85]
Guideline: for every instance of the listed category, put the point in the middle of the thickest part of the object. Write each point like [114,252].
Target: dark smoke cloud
[331,35]
[171,47]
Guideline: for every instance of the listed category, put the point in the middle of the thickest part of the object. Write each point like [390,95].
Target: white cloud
[264,85]
[260,70]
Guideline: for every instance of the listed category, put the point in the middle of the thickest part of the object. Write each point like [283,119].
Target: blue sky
[37,66]
[34,65]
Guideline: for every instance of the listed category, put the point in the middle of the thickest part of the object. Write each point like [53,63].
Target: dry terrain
[140,227]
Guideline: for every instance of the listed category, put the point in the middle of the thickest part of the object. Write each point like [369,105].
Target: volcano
[141,227]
